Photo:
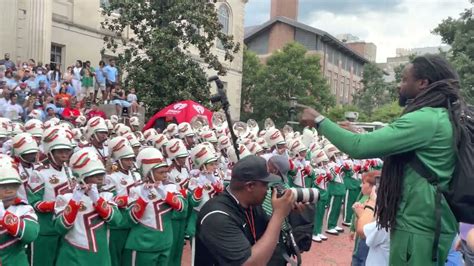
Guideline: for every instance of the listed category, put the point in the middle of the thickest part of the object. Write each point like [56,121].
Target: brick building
[341,65]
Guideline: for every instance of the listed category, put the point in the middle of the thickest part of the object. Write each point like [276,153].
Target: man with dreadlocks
[427,129]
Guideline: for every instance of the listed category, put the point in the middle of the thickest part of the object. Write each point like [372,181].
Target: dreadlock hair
[442,92]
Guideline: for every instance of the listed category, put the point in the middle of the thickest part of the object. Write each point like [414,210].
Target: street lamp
[292,111]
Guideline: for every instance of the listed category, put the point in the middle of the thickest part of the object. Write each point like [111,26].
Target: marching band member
[320,160]
[25,152]
[82,214]
[275,140]
[97,134]
[187,134]
[352,181]
[120,183]
[150,239]
[35,128]
[206,160]
[179,175]
[18,221]
[336,190]
[44,185]
[304,175]
[134,142]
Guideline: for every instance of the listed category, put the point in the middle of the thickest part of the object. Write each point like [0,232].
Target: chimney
[284,8]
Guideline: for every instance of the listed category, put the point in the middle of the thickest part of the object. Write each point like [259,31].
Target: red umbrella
[181,111]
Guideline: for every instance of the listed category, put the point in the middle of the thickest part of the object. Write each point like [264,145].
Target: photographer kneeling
[232,228]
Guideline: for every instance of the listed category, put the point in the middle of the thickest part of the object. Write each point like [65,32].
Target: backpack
[460,194]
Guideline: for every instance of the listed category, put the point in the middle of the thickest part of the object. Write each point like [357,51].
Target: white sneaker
[332,231]
[317,239]
[323,237]
[339,229]
[346,224]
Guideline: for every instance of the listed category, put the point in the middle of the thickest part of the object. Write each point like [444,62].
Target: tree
[155,56]
[374,92]
[288,73]
[387,113]
[337,113]
[392,86]
[458,33]
[252,71]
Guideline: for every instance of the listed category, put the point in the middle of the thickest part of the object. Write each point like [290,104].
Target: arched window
[223,14]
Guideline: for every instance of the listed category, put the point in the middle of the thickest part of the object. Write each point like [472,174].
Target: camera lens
[305,195]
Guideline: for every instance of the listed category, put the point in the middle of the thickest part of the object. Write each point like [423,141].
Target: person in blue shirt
[111,77]
[40,76]
[100,80]
[69,89]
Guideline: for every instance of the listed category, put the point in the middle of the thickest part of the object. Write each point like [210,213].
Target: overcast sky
[390,24]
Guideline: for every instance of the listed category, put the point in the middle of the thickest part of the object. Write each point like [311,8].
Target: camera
[220,96]
[303,195]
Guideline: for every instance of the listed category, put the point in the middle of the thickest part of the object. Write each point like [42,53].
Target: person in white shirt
[377,239]
[12,110]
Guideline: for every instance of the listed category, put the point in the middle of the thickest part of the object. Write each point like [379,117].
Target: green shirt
[429,133]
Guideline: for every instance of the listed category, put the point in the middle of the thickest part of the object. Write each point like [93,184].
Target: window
[56,54]
[223,15]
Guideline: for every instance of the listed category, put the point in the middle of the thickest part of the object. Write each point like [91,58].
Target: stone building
[63,31]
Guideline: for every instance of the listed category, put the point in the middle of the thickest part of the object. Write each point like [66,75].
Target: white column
[39,25]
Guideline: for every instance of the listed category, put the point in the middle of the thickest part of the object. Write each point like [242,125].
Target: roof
[251,32]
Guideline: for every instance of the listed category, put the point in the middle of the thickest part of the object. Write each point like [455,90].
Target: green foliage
[459,33]
[155,52]
[288,73]
[387,113]
[375,91]
[336,113]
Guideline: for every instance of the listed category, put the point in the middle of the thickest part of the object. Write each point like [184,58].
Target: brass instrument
[219,119]
[241,129]
[253,127]
[199,124]
[269,124]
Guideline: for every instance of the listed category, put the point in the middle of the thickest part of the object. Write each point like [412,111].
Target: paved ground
[337,250]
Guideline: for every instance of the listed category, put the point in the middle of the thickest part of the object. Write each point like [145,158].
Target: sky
[390,24]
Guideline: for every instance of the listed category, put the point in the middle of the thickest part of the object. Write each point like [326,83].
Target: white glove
[77,193]
[161,191]
[194,172]
[202,181]
[2,210]
[94,193]
[211,178]
[144,193]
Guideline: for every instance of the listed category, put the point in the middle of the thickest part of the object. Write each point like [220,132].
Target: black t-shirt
[225,231]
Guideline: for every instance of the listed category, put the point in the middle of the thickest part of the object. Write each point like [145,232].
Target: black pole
[221,97]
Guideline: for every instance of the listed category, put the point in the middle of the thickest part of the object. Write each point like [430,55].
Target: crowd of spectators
[29,89]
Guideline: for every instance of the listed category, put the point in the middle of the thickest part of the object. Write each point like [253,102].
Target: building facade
[63,31]
[341,65]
